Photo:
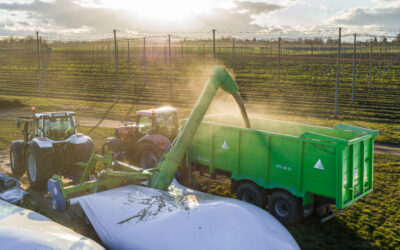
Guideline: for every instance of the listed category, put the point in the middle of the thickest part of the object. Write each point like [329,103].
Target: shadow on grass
[333,234]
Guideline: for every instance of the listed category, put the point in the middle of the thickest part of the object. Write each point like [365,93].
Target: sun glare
[161,10]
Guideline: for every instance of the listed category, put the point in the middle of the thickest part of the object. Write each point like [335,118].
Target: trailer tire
[251,193]
[149,155]
[39,169]
[16,158]
[285,207]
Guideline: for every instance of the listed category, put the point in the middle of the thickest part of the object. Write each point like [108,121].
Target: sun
[161,10]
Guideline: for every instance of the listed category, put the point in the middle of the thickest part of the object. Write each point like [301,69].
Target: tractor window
[145,125]
[167,125]
[59,128]
[38,127]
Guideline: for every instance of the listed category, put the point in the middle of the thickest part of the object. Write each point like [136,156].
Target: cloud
[257,8]
[387,16]
[70,14]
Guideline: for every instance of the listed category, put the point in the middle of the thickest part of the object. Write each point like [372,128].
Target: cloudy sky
[24,17]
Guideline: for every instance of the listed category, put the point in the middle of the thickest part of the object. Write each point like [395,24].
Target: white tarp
[22,228]
[135,217]
[10,190]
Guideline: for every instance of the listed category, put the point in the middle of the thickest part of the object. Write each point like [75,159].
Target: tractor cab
[162,121]
[56,126]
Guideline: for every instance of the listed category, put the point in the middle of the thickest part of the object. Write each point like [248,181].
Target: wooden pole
[213,31]
[354,68]
[279,63]
[38,58]
[370,65]
[116,67]
[338,73]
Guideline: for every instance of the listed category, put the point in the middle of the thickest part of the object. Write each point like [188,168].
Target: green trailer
[293,168]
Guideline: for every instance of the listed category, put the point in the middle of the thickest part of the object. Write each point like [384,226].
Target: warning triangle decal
[319,165]
[225,145]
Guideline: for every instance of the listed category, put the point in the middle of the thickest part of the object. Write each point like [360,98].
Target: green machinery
[162,175]
[293,167]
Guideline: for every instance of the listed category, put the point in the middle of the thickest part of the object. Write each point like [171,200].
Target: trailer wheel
[16,158]
[251,193]
[39,169]
[284,207]
[149,155]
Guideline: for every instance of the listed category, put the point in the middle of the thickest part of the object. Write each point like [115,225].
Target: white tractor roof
[158,111]
[55,114]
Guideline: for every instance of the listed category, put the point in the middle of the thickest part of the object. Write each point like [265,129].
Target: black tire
[149,155]
[251,193]
[85,151]
[285,207]
[17,158]
[39,169]
[114,145]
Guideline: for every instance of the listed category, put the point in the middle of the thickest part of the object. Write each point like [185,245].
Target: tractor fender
[41,149]
[159,140]
[79,139]
[41,143]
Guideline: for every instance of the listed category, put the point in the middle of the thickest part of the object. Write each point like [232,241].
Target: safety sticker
[319,165]
[225,145]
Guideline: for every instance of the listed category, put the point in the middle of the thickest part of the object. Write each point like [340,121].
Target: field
[82,76]
[372,223]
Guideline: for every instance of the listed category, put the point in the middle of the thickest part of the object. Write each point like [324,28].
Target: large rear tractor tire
[149,155]
[85,151]
[285,207]
[39,169]
[17,158]
[251,193]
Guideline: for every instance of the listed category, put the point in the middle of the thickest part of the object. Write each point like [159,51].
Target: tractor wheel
[251,193]
[285,207]
[16,158]
[39,169]
[85,151]
[149,155]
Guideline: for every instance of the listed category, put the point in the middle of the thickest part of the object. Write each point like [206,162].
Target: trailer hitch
[333,214]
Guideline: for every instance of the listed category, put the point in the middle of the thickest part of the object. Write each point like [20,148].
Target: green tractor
[146,140]
[51,146]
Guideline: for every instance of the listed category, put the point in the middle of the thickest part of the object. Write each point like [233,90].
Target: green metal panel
[305,160]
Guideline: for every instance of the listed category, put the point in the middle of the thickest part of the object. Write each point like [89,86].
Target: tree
[397,39]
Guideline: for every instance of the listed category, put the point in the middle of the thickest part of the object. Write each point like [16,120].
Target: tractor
[51,146]
[144,141]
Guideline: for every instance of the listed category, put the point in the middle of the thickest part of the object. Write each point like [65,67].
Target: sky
[24,17]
